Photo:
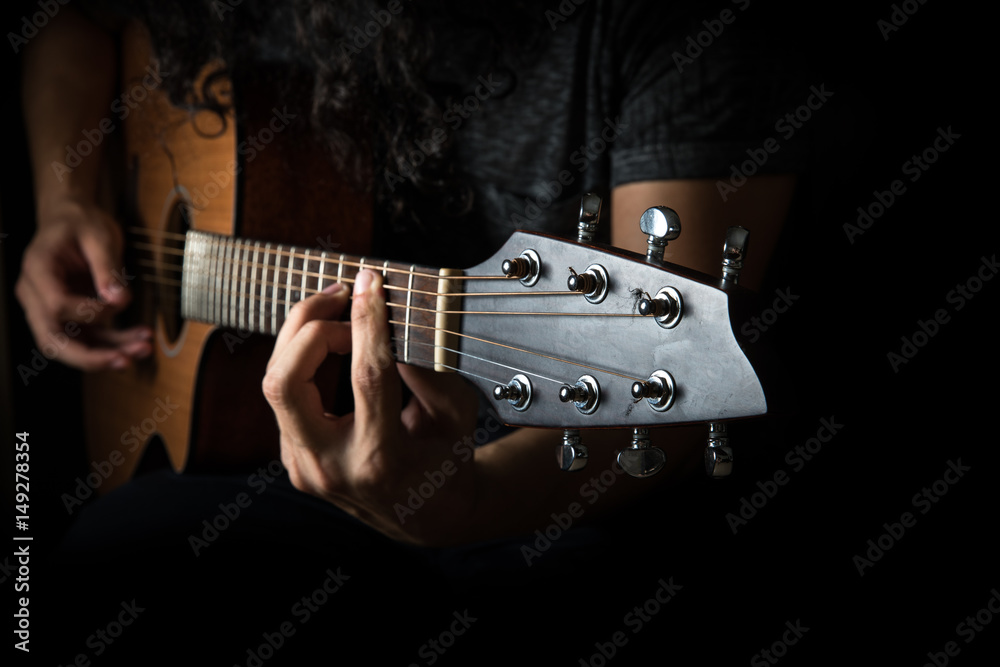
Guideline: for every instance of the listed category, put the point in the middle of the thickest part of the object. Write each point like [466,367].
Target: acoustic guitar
[557,333]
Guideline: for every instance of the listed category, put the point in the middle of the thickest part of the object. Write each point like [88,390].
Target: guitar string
[263,299]
[434,346]
[251,318]
[287,272]
[305,273]
[310,256]
[518,349]
[279,301]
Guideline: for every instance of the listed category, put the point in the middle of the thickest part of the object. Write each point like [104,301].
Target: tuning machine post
[718,453]
[641,459]
[661,225]
[572,454]
[590,216]
[517,392]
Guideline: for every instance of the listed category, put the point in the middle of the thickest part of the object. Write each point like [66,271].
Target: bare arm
[75,255]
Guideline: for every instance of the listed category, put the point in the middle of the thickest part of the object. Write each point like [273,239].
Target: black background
[793,561]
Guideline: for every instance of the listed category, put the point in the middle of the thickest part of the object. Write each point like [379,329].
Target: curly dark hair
[363,69]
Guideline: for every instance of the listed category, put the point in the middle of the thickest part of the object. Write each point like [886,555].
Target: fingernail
[363,281]
[111,292]
[138,349]
[119,363]
[334,288]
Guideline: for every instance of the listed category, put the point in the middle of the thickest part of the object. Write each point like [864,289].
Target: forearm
[519,486]
[69,76]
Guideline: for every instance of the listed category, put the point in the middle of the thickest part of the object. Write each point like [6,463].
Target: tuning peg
[641,460]
[592,283]
[665,307]
[585,394]
[718,454]
[661,225]
[734,251]
[659,390]
[590,215]
[517,392]
[525,268]
[572,455]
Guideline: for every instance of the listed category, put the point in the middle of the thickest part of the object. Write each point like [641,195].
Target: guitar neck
[252,286]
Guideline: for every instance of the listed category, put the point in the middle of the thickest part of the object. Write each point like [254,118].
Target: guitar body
[257,174]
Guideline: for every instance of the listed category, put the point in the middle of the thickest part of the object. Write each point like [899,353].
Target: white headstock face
[638,343]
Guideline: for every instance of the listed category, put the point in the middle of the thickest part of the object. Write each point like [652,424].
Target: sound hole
[169,267]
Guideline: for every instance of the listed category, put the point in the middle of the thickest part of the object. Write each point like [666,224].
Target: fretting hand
[368,461]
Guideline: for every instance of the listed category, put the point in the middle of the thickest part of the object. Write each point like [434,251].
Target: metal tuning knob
[718,454]
[661,225]
[734,251]
[659,390]
[517,392]
[592,283]
[664,307]
[640,459]
[572,455]
[585,394]
[590,215]
[525,268]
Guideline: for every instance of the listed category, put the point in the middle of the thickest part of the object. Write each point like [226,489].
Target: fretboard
[252,286]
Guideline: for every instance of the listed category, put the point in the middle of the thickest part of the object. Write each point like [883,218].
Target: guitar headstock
[577,334]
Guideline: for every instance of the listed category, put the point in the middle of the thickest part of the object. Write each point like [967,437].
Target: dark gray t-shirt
[616,92]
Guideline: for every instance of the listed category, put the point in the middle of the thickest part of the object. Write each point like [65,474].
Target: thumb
[101,245]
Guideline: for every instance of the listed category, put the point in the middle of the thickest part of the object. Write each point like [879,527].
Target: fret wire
[409,298]
[201,263]
[256,290]
[273,285]
[226,299]
[322,270]
[229,284]
[288,285]
[305,272]
[270,286]
[209,297]
[217,277]
[241,317]
[233,302]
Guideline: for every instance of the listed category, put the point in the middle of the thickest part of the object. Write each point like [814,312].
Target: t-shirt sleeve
[702,92]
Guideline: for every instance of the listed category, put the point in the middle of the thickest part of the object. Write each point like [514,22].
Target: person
[676,123]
